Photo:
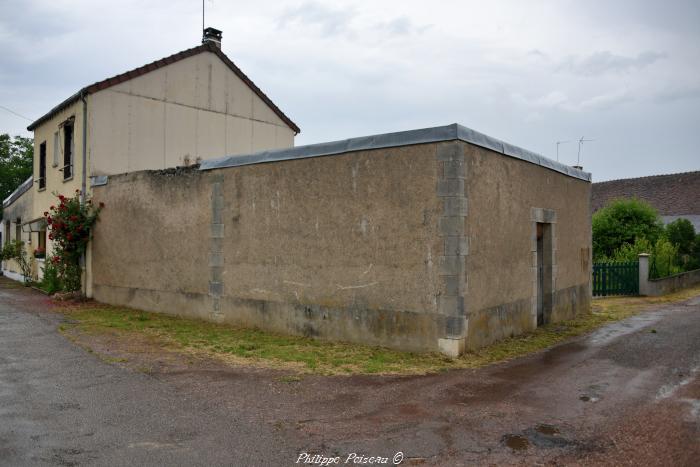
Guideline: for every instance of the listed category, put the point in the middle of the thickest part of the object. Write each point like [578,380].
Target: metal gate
[616,278]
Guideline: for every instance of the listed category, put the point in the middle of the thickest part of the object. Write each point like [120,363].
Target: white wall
[194,108]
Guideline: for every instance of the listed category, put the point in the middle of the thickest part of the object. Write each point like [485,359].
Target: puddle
[610,332]
[547,429]
[546,436]
[515,442]
[542,435]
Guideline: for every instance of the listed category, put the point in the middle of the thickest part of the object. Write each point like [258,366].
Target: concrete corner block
[451,305]
[455,206]
[217,231]
[451,265]
[216,245]
[451,226]
[216,259]
[451,151]
[450,187]
[456,246]
[452,347]
[216,289]
[454,169]
[453,285]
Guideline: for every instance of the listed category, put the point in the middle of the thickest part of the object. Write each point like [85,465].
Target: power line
[15,113]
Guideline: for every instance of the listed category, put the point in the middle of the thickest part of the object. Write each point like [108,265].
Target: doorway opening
[545,271]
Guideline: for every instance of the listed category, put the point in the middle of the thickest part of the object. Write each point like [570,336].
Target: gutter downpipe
[83,187]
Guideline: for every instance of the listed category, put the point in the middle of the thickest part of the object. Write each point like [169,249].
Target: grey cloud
[331,21]
[679,93]
[603,62]
[402,26]
[537,53]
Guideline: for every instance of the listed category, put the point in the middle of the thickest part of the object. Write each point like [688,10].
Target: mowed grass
[305,355]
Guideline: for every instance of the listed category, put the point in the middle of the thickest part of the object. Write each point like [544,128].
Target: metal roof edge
[15,195]
[396,139]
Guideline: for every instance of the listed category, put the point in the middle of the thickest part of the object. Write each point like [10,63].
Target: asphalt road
[628,394]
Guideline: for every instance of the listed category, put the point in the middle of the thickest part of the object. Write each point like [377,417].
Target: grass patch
[312,356]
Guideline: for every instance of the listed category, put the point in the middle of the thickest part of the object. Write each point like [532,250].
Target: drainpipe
[83,186]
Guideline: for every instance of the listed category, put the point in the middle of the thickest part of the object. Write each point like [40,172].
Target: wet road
[628,394]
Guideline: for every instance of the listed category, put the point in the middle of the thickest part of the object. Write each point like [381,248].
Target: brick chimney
[212,35]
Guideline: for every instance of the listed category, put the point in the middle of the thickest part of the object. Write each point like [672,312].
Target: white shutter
[56,150]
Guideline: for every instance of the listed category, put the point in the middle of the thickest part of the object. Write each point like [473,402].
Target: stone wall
[417,247]
[507,197]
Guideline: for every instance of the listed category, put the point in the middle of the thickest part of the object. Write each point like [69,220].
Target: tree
[624,221]
[16,163]
[682,234]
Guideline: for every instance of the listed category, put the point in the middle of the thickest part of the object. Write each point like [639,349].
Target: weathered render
[428,246]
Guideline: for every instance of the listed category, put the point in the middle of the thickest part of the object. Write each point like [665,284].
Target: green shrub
[682,234]
[665,259]
[51,283]
[631,252]
[623,221]
[15,251]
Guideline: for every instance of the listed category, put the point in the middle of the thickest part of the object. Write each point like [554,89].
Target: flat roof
[389,140]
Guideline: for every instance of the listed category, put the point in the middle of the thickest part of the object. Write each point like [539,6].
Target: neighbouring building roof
[22,189]
[672,194]
[388,140]
[114,80]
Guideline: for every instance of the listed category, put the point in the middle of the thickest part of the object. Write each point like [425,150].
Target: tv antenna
[558,143]
[580,143]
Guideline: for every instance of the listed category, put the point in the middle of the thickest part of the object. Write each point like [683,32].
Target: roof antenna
[203,15]
[580,143]
[558,143]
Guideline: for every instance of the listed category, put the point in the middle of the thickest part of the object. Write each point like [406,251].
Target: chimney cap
[212,34]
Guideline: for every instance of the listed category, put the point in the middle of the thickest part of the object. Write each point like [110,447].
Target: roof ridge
[154,65]
[648,176]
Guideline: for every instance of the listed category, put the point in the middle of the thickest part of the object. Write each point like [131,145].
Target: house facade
[177,111]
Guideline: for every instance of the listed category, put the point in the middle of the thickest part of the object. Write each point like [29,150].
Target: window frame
[18,229]
[68,150]
[42,166]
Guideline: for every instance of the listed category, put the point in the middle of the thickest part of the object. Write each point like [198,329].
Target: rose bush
[70,224]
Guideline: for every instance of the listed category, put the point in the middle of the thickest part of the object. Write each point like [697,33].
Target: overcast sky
[625,73]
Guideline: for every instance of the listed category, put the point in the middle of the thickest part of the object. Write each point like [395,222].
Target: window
[42,165]
[56,150]
[68,150]
[42,241]
[18,229]
[7,232]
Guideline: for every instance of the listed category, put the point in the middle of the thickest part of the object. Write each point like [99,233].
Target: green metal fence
[616,278]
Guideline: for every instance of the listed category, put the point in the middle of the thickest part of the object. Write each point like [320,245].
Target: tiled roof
[670,194]
[114,80]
